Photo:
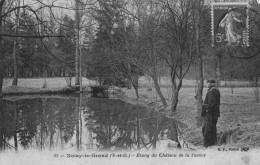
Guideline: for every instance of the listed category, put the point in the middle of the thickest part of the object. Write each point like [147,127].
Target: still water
[80,123]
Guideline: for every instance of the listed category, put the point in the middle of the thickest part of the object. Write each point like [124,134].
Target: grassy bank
[51,82]
[58,82]
[238,125]
[55,85]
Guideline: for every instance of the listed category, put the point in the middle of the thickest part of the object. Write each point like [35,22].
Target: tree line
[115,41]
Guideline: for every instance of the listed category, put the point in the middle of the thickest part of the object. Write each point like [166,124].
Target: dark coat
[212,102]
[210,113]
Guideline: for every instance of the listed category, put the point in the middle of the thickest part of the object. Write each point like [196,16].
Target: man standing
[210,113]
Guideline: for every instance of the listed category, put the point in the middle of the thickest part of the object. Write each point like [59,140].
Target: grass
[55,82]
[166,82]
[40,85]
[60,82]
[240,114]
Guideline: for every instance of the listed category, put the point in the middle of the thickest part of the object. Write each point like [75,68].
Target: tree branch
[36,36]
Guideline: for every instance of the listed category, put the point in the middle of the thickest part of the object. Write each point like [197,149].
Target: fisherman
[210,113]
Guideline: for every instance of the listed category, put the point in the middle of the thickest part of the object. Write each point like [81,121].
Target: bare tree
[82,9]
[200,85]
[148,16]
[179,47]
[15,80]
[77,18]
[6,11]
[1,55]
[166,36]
[141,38]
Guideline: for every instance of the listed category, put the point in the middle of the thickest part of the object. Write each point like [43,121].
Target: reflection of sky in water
[62,123]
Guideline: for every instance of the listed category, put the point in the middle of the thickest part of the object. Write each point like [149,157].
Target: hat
[211,81]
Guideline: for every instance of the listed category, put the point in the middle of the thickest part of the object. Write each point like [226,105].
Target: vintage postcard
[129,82]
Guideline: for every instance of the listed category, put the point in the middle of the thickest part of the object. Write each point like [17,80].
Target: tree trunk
[1,47]
[135,85]
[130,80]
[218,70]
[77,42]
[173,130]
[175,92]
[44,84]
[136,92]
[175,96]
[15,80]
[158,90]
[1,79]
[199,93]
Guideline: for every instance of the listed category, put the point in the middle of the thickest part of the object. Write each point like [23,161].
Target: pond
[80,123]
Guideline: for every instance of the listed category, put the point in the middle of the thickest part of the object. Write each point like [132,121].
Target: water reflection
[80,123]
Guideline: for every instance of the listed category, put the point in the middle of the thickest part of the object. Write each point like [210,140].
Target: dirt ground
[239,122]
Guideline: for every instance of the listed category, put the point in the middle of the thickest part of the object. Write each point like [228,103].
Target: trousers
[209,129]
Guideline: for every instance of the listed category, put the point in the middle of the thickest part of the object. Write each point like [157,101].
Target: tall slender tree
[15,80]
[1,47]
[77,51]
[199,92]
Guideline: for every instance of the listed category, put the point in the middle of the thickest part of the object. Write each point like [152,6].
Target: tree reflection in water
[43,123]
[2,128]
[47,123]
[120,125]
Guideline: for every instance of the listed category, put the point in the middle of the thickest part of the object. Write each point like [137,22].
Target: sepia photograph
[129,82]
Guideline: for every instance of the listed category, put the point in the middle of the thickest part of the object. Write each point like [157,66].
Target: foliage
[106,64]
